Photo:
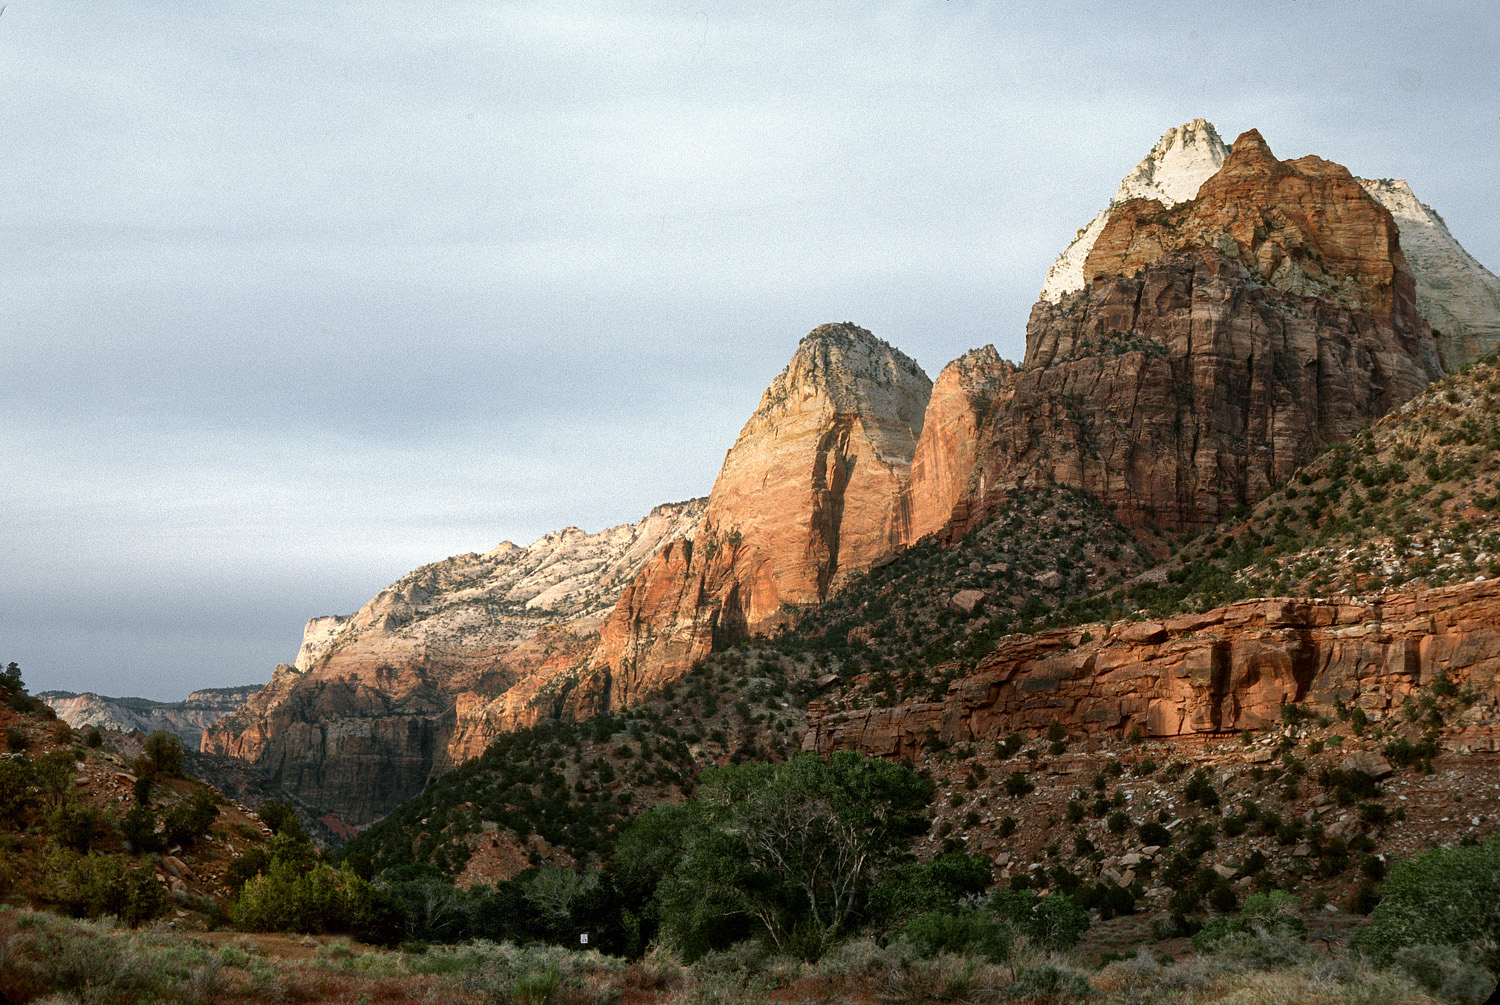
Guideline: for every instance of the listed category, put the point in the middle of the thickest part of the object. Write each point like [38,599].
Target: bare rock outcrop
[187,718]
[1459,297]
[1228,669]
[368,712]
[1218,345]
[809,494]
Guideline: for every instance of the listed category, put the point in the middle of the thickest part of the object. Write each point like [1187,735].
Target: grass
[43,957]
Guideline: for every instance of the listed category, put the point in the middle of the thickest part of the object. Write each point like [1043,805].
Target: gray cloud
[303,297]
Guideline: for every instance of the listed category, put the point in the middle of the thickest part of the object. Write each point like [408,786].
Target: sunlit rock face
[1216,346]
[810,493]
[367,713]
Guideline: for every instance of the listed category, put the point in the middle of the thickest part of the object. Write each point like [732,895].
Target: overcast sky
[302,296]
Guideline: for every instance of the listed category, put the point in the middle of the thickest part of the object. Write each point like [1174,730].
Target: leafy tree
[166,752]
[792,849]
[1442,897]
[1053,921]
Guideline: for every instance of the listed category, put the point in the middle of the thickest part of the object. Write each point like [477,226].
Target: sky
[302,296]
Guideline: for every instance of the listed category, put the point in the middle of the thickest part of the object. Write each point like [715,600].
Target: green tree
[1442,897]
[166,752]
[794,848]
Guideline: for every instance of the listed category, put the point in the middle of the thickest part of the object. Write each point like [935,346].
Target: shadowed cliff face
[1217,346]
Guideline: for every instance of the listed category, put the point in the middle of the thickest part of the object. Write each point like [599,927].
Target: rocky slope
[365,715]
[187,718]
[1218,345]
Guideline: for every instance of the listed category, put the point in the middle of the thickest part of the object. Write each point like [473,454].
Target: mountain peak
[1183,159]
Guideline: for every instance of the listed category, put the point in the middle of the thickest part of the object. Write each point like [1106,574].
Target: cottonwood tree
[793,848]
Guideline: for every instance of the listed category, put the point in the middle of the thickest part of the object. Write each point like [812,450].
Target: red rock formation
[808,495]
[943,469]
[1228,669]
[1217,347]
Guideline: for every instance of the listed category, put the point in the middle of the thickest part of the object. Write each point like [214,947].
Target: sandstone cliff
[1455,294]
[1228,669]
[809,494]
[366,714]
[1459,297]
[1183,159]
[1218,345]
[187,718]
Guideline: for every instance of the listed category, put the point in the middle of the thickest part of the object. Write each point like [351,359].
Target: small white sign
[583,939]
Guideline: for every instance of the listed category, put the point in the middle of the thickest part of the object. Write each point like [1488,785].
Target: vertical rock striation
[1217,345]
[809,494]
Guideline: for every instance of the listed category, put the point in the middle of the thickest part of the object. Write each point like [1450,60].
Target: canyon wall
[1228,669]
[1217,345]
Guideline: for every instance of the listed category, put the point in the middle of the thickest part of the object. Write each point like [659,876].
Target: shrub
[291,898]
[91,886]
[77,825]
[963,932]
[139,828]
[189,821]
[1153,833]
[16,739]
[1017,785]
[94,738]
[1049,983]
[1445,971]
[1446,896]
[1053,921]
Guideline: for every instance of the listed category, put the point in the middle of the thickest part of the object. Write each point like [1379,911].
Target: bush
[77,825]
[1017,785]
[1446,896]
[139,828]
[964,932]
[1050,984]
[1445,971]
[92,886]
[1153,833]
[291,898]
[1053,921]
[189,821]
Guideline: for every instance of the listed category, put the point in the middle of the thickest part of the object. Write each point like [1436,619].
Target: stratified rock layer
[809,494]
[367,714]
[1228,669]
[187,718]
[1218,346]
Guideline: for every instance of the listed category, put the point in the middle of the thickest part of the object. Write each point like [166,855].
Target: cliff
[365,716]
[809,495]
[1218,345]
[1455,294]
[187,718]
[1228,669]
